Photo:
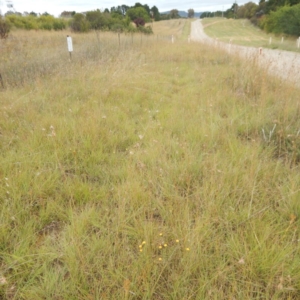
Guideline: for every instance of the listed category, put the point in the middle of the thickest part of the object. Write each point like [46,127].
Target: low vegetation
[121,19]
[145,170]
[4,29]
[30,22]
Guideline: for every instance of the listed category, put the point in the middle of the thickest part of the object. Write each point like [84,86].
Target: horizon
[56,7]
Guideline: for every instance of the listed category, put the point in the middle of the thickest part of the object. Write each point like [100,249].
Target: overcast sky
[55,7]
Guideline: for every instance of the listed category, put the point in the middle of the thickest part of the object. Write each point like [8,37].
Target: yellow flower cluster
[162,245]
[141,246]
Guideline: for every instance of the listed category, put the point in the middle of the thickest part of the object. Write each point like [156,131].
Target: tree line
[121,18]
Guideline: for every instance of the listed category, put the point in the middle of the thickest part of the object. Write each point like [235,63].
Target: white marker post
[298,43]
[70,46]
[270,41]
[282,39]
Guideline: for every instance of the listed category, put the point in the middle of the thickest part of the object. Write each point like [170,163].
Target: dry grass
[143,173]
[179,28]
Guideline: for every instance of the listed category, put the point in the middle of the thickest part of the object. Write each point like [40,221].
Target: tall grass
[144,173]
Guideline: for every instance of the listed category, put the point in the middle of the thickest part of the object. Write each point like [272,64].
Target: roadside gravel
[283,64]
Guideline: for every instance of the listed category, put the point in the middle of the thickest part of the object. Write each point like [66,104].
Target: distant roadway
[283,64]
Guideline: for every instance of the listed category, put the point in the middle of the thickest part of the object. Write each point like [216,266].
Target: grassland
[145,170]
[242,32]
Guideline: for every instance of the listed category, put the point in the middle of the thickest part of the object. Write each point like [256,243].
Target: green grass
[242,32]
[153,147]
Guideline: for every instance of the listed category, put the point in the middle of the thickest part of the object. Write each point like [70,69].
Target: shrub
[79,23]
[117,27]
[59,25]
[4,29]
[284,20]
[146,30]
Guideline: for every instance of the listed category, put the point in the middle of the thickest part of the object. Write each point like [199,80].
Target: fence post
[70,46]
[1,80]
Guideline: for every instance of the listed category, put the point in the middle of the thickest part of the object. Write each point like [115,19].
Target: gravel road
[284,64]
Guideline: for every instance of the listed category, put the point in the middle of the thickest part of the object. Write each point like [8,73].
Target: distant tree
[137,4]
[67,14]
[10,12]
[106,10]
[124,9]
[33,14]
[79,23]
[247,11]
[191,13]
[46,14]
[147,8]
[205,14]
[138,12]
[231,12]
[155,13]
[96,19]
[117,10]
[174,14]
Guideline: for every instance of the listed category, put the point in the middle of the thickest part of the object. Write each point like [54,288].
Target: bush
[31,22]
[284,20]
[4,29]
[79,23]
[117,27]
[146,30]
[97,19]
[59,25]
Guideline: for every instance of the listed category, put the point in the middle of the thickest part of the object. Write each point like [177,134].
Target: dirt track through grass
[283,64]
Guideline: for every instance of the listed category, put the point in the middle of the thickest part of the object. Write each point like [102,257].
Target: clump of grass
[97,163]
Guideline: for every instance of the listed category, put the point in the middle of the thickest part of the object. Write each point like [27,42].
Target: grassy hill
[145,170]
[243,32]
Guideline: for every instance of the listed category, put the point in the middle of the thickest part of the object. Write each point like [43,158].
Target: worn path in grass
[283,64]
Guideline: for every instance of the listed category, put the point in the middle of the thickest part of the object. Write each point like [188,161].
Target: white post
[70,46]
[282,39]
[270,41]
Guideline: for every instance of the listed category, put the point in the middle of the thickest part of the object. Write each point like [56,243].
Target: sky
[55,7]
